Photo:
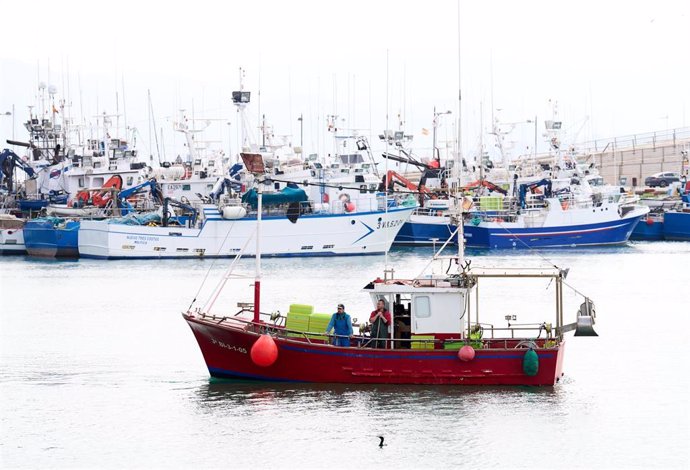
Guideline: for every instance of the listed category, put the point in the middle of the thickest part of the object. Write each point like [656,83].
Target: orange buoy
[649,221]
[466,353]
[349,207]
[264,351]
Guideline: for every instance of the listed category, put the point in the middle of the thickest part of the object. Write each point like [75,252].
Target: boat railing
[511,341]
[351,204]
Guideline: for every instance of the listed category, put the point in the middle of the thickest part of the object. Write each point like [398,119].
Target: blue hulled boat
[666,222]
[52,237]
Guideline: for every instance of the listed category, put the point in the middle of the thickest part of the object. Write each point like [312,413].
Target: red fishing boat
[435,335]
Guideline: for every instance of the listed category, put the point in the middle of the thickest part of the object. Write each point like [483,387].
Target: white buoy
[234,212]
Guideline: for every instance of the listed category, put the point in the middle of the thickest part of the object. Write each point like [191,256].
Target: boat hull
[311,235]
[677,226]
[12,241]
[43,239]
[671,225]
[226,350]
[423,229]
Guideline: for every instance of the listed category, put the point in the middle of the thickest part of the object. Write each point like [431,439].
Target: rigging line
[532,249]
[536,252]
[438,253]
[209,304]
[341,187]
[211,267]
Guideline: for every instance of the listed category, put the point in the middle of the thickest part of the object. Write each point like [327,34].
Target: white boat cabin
[432,305]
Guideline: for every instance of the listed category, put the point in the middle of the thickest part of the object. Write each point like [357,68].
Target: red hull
[226,350]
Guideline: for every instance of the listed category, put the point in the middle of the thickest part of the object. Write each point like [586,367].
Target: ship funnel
[585,319]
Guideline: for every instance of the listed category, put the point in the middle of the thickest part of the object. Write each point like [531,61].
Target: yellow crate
[318,323]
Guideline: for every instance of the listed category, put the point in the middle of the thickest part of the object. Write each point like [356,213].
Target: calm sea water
[98,369]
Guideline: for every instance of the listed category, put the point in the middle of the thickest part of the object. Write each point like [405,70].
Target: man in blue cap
[341,323]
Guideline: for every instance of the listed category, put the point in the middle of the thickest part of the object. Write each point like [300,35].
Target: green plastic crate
[422,344]
[318,323]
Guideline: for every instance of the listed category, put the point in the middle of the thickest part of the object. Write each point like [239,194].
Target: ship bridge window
[186,187]
[422,306]
[130,180]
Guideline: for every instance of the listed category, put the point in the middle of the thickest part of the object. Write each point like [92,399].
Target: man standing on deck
[380,320]
[342,324]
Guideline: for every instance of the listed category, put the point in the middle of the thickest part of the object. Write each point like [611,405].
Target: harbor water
[99,370]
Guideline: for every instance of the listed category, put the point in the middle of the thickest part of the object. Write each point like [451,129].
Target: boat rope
[540,255]
[213,262]
[340,187]
[221,284]
[440,250]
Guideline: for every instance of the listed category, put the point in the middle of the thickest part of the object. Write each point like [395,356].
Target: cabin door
[422,320]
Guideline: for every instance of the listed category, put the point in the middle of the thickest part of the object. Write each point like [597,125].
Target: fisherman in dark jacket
[380,320]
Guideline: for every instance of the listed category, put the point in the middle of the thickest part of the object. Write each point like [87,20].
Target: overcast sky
[615,68]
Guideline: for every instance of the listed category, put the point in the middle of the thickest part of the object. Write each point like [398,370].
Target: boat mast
[257,276]
[254,164]
[458,160]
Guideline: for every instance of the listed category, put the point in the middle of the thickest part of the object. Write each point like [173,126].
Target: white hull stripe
[567,232]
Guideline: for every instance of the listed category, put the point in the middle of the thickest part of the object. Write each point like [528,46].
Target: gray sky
[615,68]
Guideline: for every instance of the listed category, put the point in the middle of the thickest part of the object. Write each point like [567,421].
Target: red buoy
[466,353]
[264,351]
[349,207]
[649,221]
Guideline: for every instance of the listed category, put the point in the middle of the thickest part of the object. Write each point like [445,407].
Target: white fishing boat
[355,223]
[11,235]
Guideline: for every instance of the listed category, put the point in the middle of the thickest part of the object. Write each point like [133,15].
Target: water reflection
[221,394]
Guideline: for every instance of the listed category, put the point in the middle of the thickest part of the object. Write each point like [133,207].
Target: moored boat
[11,235]
[223,232]
[667,221]
[554,222]
[52,237]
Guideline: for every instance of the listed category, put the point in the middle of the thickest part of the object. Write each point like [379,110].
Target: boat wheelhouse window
[422,306]
[81,182]
[130,180]
[197,161]
[211,163]
[363,188]
[186,187]
[209,187]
